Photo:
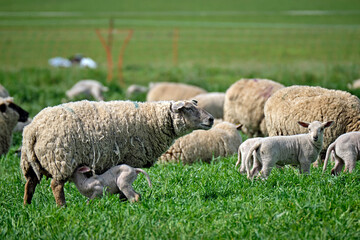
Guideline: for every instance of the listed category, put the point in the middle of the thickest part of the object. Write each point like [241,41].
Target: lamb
[135,89]
[212,102]
[88,87]
[221,140]
[243,152]
[10,115]
[118,179]
[345,151]
[172,91]
[301,149]
[102,135]
[289,104]
[244,104]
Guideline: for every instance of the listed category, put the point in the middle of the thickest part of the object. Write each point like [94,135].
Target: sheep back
[172,91]
[244,104]
[212,102]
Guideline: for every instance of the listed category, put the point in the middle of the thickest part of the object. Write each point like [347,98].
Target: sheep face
[316,129]
[12,113]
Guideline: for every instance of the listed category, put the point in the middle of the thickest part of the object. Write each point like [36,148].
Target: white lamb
[301,149]
[87,87]
[345,151]
[118,179]
[243,152]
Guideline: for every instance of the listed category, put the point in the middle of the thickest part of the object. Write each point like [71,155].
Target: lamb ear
[303,124]
[177,106]
[3,107]
[328,124]
[83,169]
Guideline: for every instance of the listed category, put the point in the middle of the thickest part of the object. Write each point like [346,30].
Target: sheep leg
[304,168]
[350,161]
[30,186]
[124,182]
[58,191]
[265,171]
[256,168]
[339,164]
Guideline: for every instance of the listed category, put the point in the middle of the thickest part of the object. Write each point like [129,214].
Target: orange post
[121,57]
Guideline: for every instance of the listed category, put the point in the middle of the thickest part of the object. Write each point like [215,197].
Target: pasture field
[293,42]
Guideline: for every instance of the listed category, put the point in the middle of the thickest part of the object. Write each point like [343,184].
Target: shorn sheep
[344,151]
[289,104]
[10,115]
[116,180]
[172,91]
[221,140]
[297,150]
[244,104]
[87,87]
[102,135]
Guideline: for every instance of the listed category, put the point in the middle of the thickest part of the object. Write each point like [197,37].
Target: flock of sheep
[101,145]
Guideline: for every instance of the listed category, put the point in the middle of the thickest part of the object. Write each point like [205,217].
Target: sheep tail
[139,170]
[239,158]
[29,161]
[249,156]
[328,151]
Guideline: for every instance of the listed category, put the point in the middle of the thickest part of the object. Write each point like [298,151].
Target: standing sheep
[212,102]
[88,87]
[301,149]
[10,115]
[345,151]
[118,179]
[244,104]
[243,152]
[172,91]
[221,140]
[312,103]
[102,135]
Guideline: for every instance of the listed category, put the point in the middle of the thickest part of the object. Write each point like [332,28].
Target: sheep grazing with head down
[220,141]
[244,104]
[118,179]
[10,115]
[88,87]
[101,135]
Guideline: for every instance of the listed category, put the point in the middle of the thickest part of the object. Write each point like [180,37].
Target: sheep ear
[177,106]
[303,124]
[83,169]
[328,124]
[195,102]
[3,107]
[239,127]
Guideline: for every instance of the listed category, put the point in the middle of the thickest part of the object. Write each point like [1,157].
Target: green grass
[293,42]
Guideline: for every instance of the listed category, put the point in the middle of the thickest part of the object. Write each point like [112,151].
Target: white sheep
[102,135]
[221,140]
[289,104]
[243,152]
[172,91]
[10,115]
[212,102]
[297,150]
[354,85]
[244,104]
[345,151]
[87,87]
[116,180]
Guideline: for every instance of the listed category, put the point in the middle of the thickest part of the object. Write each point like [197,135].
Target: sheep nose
[211,120]
[315,138]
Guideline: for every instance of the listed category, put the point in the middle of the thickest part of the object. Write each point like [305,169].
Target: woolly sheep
[3,92]
[10,115]
[243,152]
[87,87]
[345,151]
[172,91]
[118,179]
[289,104]
[244,104]
[221,140]
[102,135]
[212,102]
[301,149]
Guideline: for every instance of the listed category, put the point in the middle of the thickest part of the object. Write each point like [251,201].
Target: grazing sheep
[10,115]
[102,135]
[135,89]
[243,152]
[118,179]
[289,104]
[3,92]
[244,104]
[87,87]
[301,149]
[354,85]
[345,151]
[172,91]
[212,102]
[221,140]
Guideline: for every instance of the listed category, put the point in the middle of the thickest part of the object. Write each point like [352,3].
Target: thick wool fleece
[99,135]
[172,91]
[212,102]
[244,104]
[221,140]
[303,103]
[8,121]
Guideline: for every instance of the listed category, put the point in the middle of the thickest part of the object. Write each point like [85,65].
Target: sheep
[221,140]
[243,152]
[212,102]
[172,91]
[244,104]
[301,149]
[102,135]
[118,179]
[88,87]
[345,151]
[10,115]
[289,104]
[354,85]
[135,89]
[3,92]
